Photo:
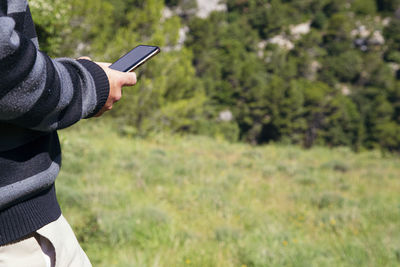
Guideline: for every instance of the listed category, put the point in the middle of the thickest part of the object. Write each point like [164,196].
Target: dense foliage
[247,73]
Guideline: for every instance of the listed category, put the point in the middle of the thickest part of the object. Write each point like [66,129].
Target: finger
[129,79]
[107,64]
[87,58]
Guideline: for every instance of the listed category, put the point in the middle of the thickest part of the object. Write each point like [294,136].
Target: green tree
[343,124]
[392,36]
[334,6]
[375,110]
[52,23]
[388,5]
[364,7]
[346,66]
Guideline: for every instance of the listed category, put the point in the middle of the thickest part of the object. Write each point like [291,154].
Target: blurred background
[266,133]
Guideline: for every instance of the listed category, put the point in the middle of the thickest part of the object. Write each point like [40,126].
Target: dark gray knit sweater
[38,96]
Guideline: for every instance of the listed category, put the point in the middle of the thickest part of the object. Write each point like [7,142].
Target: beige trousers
[54,245]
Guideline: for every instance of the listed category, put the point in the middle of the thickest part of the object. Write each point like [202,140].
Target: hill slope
[194,201]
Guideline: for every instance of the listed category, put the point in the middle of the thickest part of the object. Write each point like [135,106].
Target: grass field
[194,201]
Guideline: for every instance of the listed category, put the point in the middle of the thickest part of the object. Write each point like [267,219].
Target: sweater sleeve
[42,94]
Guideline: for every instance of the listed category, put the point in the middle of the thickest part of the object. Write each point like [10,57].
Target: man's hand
[117,80]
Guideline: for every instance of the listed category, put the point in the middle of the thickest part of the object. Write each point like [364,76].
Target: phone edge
[158,50]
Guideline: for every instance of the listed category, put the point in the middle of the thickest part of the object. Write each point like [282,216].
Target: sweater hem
[28,216]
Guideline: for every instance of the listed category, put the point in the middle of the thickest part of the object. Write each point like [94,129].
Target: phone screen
[135,58]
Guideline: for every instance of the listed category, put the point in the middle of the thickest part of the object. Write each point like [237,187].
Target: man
[39,96]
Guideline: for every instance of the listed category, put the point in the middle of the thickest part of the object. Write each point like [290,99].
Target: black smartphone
[134,58]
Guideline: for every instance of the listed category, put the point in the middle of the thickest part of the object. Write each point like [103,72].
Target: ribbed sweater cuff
[101,82]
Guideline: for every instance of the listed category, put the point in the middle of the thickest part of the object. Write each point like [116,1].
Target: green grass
[194,201]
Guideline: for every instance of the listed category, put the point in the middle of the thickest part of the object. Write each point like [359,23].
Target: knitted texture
[38,96]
